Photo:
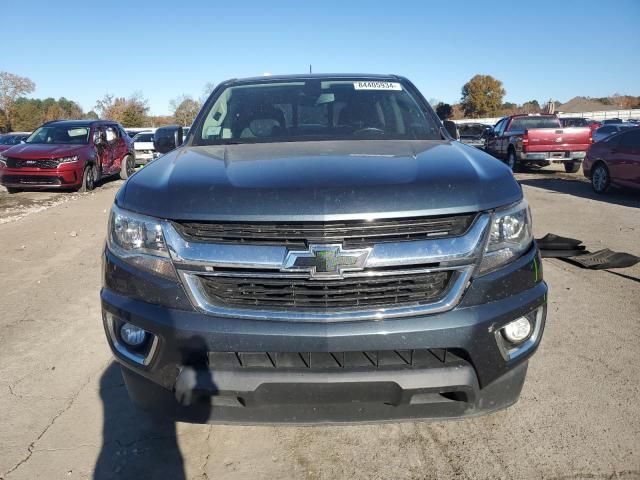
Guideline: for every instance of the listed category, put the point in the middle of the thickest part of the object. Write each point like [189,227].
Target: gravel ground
[65,413]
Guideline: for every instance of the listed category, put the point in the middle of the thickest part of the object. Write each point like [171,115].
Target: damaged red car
[68,154]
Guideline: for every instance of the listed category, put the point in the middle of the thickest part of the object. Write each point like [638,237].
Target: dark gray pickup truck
[319,249]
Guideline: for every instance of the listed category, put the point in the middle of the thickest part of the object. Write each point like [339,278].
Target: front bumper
[143,157]
[205,368]
[40,178]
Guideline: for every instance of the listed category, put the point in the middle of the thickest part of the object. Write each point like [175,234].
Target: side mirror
[167,138]
[452,128]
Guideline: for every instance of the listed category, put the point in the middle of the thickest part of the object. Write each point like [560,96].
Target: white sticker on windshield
[369,85]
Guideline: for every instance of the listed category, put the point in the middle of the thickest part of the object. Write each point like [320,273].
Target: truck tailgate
[558,139]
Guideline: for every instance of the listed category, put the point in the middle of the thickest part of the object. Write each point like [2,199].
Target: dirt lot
[65,413]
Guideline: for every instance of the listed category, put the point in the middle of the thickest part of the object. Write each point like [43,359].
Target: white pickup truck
[143,145]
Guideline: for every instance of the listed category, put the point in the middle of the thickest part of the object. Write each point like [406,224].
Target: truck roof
[309,76]
[85,123]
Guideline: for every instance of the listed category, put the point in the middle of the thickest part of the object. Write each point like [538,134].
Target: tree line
[482,96]
[19,113]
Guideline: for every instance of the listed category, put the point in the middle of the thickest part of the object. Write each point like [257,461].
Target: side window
[630,140]
[112,133]
[499,128]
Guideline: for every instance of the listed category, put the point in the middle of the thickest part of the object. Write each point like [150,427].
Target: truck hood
[32,151]
[326,180]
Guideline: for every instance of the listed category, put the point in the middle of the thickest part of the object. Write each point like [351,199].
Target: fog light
[518,330]
[132,335]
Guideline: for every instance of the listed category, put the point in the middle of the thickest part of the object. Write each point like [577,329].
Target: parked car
[610,129]
[538,140]
[473,134]
[609,121]
[320,249]
[143,144]
[614,161]
[8,140]
[69,154]
[132,132]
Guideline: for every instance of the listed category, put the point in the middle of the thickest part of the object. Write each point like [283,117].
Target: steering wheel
[375,130]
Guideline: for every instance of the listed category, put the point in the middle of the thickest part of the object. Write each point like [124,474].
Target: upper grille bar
[459,250]
[352,234]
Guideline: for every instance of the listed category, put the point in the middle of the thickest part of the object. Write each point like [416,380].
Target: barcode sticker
[369,85]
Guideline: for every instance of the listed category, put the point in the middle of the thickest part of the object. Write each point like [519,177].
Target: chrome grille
[351,234]
[13,162]
[357,292]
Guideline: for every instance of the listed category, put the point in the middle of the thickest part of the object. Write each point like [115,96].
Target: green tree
[482,96]
[27,115]
[532,106]
[130,112]
[12,87]
[444,111]
[184,109]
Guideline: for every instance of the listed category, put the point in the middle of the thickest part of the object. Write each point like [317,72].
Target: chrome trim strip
[268,274]
[464,249]
[221,254]
[454,292]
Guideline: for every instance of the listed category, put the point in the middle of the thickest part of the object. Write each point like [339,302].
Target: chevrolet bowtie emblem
[325,261]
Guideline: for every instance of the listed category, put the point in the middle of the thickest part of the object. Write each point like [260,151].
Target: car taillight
[525,140]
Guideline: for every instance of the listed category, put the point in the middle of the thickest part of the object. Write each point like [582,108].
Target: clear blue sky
[538,49]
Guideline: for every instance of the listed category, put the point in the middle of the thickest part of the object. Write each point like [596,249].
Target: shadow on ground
[135,445]
[569,186]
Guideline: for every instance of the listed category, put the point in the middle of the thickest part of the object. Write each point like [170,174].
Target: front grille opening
[31,180]
[322,295]
[322,361]
[351,234]
[13,162]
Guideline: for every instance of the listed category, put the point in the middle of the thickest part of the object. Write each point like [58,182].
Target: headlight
[510,236]
[138,240]
[3,161]
[68,159]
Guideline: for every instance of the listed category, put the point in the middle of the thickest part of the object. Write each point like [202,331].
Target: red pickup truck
[538,140]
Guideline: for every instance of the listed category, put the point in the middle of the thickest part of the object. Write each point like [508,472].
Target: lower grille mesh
[351,292]
[324,360]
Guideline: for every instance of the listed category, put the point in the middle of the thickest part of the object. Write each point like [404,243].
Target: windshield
[60,134]
[315,110]
[574,122]
[11,139]
[143,137]
[524,123]
[471,130]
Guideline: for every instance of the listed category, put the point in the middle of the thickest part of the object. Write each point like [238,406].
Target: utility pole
[310,69]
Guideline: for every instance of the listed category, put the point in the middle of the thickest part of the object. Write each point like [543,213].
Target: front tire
[128,167]
[89,178]
[571,167]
